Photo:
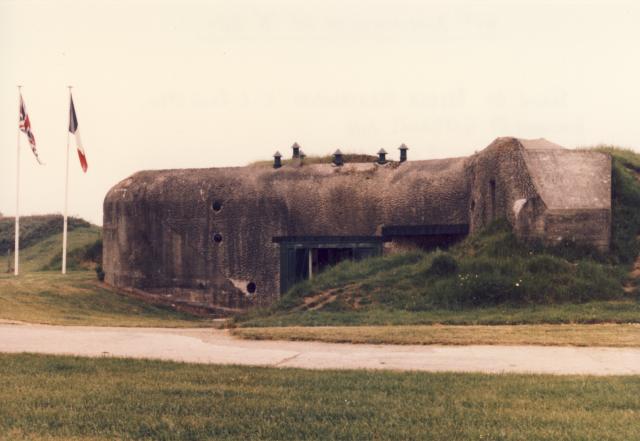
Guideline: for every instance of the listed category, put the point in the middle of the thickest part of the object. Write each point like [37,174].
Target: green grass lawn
[618,311]
[63,398]
[78,299]
[618,335]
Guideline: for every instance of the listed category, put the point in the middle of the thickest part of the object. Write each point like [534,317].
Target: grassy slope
[78,299]
[33,229]
[611,335]
[399,290]
[41,243]
[46,397]
[626,203]
[47,252]
[495,279]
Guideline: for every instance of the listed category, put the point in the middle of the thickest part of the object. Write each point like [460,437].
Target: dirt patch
[318,301]
[350,295]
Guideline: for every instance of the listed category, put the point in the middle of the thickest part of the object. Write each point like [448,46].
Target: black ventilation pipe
[337,158]
[403,152]
[382,156]
[296,150]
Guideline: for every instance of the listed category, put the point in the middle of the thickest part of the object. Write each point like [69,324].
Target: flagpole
[16,252]
[66,199]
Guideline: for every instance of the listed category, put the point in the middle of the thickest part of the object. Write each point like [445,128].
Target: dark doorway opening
[312,261]
[302,258]
[322,258]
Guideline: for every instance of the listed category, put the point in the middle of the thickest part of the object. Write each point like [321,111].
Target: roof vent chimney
[403,152]
[296,150]
[277,163]
[337,158]
[382,156]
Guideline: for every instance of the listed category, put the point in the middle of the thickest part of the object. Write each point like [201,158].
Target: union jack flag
[25,127]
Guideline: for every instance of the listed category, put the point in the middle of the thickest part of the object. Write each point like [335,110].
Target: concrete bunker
[224,239]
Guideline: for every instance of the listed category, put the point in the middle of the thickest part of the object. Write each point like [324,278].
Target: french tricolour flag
[73,128]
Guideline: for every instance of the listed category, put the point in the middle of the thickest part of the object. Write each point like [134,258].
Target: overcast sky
[206,84]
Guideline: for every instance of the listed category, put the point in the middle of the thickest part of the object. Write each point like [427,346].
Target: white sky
[205,84]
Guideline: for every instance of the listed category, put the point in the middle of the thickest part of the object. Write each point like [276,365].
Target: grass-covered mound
[490,270]
[625,183]
[41,244]
[85,251]
[33,229]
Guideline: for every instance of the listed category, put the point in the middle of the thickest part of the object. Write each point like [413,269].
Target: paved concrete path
[216,346]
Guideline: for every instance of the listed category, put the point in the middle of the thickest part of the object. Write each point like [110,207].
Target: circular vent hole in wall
[251,287]
[217,238]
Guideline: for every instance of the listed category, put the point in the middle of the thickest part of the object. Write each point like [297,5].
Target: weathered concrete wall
[574,195]
[161,228]
[570,179]
[592,227]
[499,178]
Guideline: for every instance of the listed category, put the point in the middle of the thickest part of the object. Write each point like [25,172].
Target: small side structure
[546,192]
[226,239]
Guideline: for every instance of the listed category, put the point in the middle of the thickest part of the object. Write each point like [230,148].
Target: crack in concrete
[288,359]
